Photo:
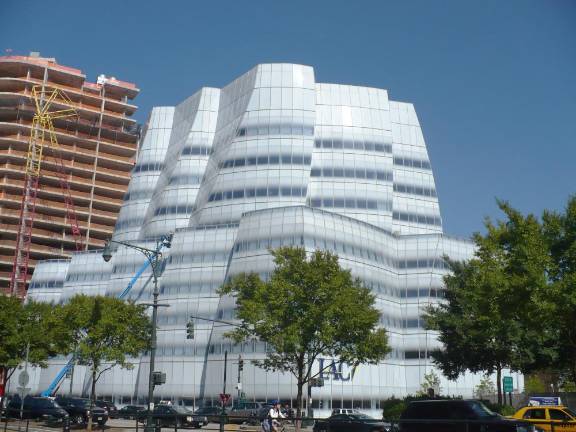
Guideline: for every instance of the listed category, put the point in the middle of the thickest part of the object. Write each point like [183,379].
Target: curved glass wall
[274,159]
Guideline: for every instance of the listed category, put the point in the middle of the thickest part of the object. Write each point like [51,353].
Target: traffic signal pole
[239,382]
[223,413]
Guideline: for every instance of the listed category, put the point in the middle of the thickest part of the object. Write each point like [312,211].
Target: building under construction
[94,157]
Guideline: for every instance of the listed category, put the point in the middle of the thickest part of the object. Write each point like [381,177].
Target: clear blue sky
[493,81]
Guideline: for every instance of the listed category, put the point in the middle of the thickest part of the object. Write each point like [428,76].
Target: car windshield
[206,410]
[181,409]
[570,412]
[481,410]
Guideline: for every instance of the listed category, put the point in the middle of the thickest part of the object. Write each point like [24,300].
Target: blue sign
[544,400]
[336,370]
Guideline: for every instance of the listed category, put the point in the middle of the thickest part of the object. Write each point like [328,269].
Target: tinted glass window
[361,417]
[420,411]
[556,414]
[41,403]
[537,414]
[461,411]
[481,410]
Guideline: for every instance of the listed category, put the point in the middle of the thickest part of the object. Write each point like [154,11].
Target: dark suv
[173,416]
[247,412]
[457,416]
[79,410]
[41,408]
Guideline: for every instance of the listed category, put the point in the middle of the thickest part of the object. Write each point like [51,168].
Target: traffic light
[158,378]
[240,364]
[316,382]
[190,329]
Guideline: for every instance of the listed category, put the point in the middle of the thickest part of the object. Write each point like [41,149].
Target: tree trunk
[92,398]
[298,421]
[499,383]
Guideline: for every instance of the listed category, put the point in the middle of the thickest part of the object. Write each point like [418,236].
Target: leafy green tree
[431,381]
[106,332]
[560,233]
[484,388]
[495,303]
[310,307]
[32,326]
[533,384]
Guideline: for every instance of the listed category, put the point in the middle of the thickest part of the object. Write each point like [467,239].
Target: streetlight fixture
[153,256]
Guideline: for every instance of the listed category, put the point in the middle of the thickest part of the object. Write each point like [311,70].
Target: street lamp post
[153,256]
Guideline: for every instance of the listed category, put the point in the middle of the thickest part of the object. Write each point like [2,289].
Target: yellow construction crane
[46,102]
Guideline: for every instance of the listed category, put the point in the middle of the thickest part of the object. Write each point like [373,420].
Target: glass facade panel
[274,158]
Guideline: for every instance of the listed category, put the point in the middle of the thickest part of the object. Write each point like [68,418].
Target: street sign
[23,391]
[224,397]
[23,378]
[508,384]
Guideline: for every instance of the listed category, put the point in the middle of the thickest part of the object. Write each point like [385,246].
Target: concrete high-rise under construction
[95,154]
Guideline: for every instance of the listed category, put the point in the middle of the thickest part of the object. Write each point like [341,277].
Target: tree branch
[8,375]
[104,370]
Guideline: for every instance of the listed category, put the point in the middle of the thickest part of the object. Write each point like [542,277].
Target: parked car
[174,416]
[248,412]
[79,410]
[130,412]
[355,422]
[109,407]
[457,416]
[564,418]
[211,412]
[37,408]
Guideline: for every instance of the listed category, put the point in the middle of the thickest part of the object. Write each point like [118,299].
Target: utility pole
[71,372]
[23,380]
[154,256]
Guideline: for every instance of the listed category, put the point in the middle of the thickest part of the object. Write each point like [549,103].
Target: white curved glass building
[274,158]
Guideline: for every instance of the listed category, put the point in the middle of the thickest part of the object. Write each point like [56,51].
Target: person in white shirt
[273,415]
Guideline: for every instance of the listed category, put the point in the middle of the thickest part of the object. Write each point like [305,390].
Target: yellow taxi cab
[563,418]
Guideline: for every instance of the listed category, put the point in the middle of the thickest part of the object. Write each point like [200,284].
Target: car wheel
[77,419]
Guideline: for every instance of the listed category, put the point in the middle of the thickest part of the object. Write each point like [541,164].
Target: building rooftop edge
[52,63]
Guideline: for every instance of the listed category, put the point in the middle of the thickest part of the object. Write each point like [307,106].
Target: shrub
[392,408]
